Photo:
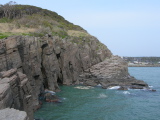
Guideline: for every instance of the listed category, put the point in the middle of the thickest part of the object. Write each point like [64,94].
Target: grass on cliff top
[7,34]
[2,35]
[37,26]
[36,22]
[77,33]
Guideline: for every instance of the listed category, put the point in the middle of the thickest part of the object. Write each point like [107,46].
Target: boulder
[12,114]
[51,98]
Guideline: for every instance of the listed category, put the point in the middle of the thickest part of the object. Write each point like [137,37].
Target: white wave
[83,87]
[99,85]
[126,92]
[151,86]
[47,91]
[114,87]
[102,95]
[63,98]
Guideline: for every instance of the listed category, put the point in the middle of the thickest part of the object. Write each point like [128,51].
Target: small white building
[135,62]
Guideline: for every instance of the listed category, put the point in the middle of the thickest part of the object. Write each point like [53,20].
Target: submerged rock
[153,90]
[49,97]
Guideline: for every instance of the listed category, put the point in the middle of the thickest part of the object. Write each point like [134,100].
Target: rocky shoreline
[111,72]
[30,65]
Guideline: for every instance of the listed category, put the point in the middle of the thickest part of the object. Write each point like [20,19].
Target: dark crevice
[59,81]
[14,50]
[58,55]
[82,69]
[44,45]
[21,52]
[20,94]
[36,77]
[138,84]
[45,79]
[70,66]
[60,78]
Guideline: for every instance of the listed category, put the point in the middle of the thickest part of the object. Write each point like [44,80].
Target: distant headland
[142,61]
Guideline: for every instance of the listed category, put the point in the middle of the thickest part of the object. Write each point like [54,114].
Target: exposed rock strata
[111,72]
[15,92]
[50,61]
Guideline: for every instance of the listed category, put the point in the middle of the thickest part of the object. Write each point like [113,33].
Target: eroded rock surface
[15,92]
[48,61]
[111,72]
[12,114]
[43,63]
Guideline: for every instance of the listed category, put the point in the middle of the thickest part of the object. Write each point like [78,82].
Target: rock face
[12,114]
[15,92]
[111,72]
[50,61]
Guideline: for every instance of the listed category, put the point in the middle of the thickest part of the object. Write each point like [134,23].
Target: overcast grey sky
[127,27]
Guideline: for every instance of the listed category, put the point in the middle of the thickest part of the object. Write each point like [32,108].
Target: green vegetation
[152,60]
[35,21]
[80,40]
[4,35]
[5,20]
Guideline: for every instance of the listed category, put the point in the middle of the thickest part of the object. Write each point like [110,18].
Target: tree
[8,10]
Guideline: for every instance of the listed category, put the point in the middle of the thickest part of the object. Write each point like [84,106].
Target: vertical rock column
[15,92]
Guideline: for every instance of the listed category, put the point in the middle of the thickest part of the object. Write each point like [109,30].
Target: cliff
[15,92]
[66,55]
[49,61]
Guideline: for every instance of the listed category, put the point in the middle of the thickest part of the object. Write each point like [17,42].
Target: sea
[95,103]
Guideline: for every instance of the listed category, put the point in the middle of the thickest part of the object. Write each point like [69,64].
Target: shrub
[5,20]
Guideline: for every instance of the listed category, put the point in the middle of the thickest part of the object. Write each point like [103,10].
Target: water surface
[87,103]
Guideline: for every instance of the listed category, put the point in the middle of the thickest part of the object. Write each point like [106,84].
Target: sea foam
[151,86]
[114,87]
[126,92]
[102,95]
[83,87]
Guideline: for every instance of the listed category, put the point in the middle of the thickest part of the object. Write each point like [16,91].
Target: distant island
[142,61]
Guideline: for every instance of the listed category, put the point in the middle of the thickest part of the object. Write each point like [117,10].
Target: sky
[126,27]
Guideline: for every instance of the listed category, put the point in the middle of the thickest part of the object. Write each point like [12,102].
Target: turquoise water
[102,104]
